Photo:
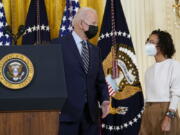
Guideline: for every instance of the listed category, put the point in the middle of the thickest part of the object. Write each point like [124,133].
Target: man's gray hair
[82,15]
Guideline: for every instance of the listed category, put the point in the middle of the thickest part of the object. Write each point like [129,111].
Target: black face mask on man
[92,31]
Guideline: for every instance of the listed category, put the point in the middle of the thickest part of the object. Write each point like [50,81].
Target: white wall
[143,16]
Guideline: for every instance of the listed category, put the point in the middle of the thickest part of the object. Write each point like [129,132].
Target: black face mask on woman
[92,31]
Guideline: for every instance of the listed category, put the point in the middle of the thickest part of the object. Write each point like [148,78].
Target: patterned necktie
[85,55]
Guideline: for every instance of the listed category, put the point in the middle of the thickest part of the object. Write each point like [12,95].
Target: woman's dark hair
[165,44]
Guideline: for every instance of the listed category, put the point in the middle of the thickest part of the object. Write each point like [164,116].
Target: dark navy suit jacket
[78,82]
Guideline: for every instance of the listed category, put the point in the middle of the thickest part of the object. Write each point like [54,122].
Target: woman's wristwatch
[171,114]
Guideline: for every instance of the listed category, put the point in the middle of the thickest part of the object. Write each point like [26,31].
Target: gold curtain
[16,11]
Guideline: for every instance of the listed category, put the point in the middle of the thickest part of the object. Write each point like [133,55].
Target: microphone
[8,30]
[21,31]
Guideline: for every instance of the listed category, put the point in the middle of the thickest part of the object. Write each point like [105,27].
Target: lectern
[32,89]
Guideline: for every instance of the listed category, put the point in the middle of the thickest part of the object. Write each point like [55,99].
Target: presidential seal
[16,71]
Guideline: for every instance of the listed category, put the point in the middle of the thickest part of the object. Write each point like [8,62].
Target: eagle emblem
[16,71]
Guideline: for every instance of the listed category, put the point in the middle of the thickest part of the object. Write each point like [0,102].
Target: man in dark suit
[84,76]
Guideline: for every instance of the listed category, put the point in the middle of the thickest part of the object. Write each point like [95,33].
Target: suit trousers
[84,126]
[152,119]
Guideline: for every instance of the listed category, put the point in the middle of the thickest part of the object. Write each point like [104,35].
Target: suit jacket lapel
[90,57]
[75,50]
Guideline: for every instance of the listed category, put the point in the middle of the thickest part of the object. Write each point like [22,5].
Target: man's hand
[105,108]
[166,124]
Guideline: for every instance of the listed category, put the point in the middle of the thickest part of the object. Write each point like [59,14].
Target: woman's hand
[166,124]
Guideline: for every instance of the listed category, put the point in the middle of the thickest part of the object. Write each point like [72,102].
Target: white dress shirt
[162,83]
